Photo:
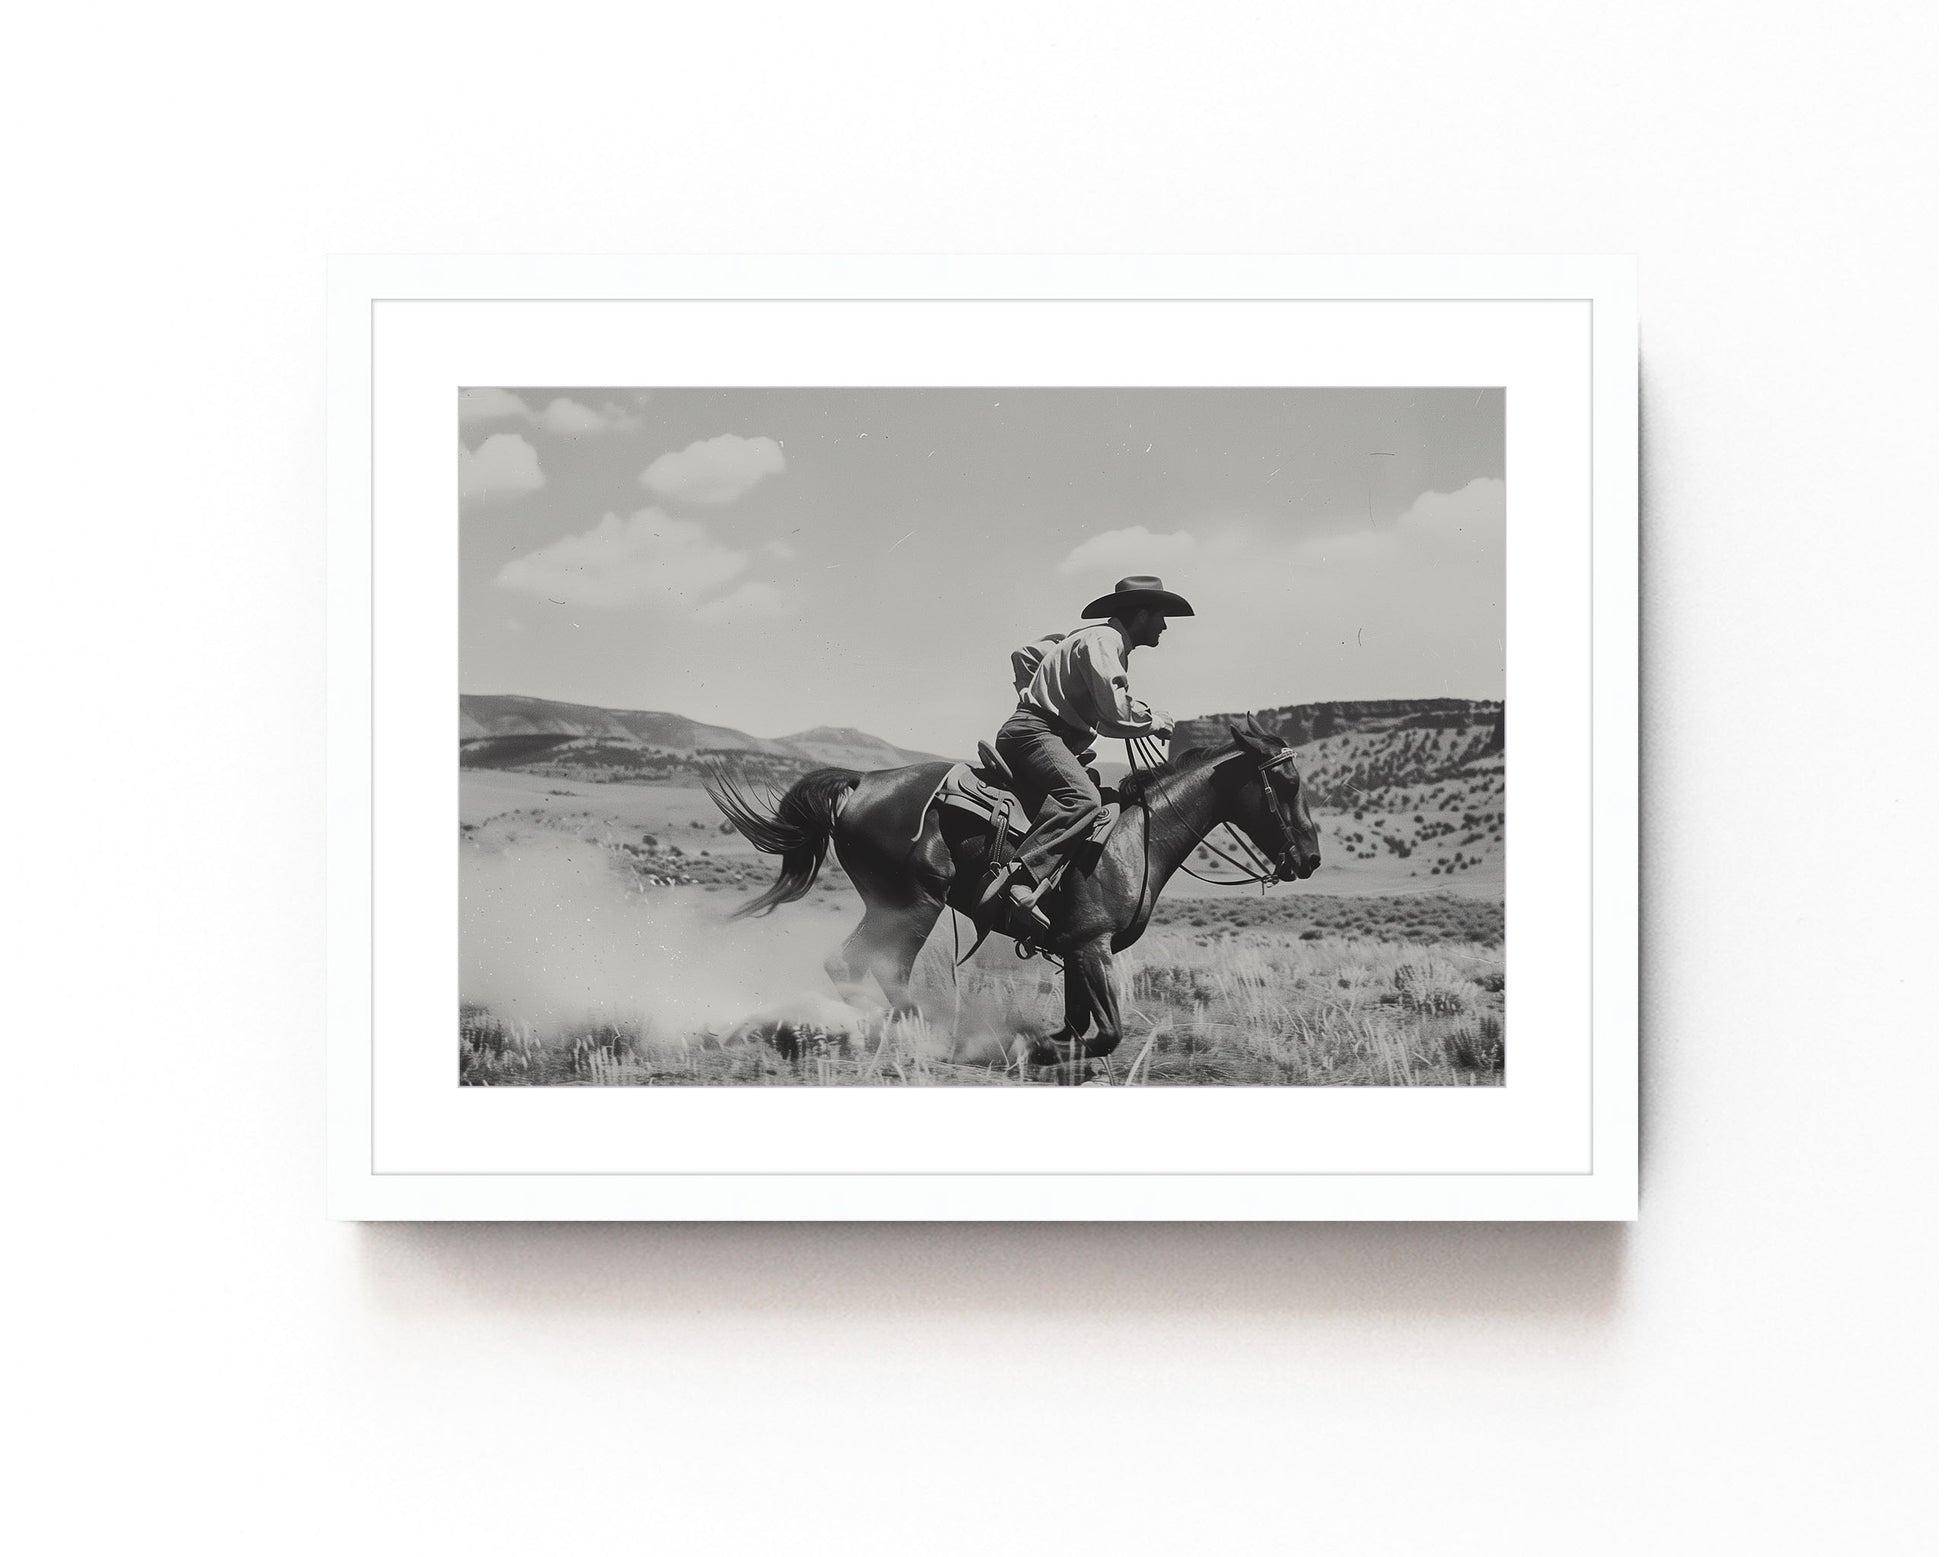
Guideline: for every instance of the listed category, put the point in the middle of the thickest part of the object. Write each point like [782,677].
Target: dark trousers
[1051,783]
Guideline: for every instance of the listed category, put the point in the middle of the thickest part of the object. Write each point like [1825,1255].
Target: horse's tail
[797,826]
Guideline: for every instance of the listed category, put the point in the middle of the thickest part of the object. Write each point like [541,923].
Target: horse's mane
[1141,780]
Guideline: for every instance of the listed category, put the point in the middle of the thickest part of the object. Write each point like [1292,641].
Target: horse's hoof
[1065,1051]
[1055,1051]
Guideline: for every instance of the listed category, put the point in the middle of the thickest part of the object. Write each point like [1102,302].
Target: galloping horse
[910,859]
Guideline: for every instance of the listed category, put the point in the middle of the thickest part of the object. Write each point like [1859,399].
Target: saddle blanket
[964,789]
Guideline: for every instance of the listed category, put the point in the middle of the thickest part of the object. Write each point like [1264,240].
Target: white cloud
[576,420]
[1473,519]
[491,405]
[781,551]
[569,417]
[714,470]
[572,417]
[753,597]
[1411,609]
[505,463]
[1447,528]
[1117,553]
[1348,548]
[647,557]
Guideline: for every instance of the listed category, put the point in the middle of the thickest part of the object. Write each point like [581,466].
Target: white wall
[203,1358]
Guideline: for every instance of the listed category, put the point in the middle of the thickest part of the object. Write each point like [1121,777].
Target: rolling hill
[573,740]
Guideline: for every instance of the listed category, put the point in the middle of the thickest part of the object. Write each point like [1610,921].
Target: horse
[911,859]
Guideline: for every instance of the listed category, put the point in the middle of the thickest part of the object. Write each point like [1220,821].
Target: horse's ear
[1252,737]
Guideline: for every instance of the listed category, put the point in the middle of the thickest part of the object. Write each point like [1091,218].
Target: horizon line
[1449,697]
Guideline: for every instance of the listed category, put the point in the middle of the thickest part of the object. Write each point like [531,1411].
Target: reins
[1255,867]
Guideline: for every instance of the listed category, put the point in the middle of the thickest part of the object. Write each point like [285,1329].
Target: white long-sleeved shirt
[1083,681]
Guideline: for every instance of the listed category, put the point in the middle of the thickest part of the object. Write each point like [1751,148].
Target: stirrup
[998,879]
[1027,921]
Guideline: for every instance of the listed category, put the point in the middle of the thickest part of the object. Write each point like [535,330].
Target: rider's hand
[1163,721]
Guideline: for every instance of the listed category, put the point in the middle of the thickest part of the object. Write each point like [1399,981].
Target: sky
[777,559]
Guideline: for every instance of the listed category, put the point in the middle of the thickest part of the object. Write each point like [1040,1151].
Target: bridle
[1288,754]
[1254,866]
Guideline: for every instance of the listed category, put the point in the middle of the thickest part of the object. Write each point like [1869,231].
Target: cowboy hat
[1135,592]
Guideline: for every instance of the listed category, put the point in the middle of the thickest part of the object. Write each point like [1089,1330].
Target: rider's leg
[1056,788]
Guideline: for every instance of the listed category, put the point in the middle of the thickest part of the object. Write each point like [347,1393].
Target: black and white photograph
[928,737]
[903,703]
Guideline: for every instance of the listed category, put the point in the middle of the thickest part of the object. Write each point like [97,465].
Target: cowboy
[1073,687]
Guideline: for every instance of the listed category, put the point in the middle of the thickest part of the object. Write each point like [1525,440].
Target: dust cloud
[552,934]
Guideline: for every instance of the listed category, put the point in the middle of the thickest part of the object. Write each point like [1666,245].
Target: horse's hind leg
[884,946]
[847,967]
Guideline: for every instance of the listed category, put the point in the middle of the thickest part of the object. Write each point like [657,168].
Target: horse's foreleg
[1092,968]
[1094,1013]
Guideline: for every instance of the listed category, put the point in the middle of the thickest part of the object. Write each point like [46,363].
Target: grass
[1428,917]
[1284,992]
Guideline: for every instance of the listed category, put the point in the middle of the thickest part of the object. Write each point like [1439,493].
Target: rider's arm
[1119,714]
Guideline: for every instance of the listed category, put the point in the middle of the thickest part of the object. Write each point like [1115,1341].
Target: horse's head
[1273,811]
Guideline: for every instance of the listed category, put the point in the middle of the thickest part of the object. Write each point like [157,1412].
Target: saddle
[987,791]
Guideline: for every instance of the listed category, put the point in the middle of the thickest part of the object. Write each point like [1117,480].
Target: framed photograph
[983,738]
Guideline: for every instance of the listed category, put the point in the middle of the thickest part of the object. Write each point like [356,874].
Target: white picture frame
[1556,1142]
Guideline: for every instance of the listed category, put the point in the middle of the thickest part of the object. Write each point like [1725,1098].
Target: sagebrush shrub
[1480,1047]
[1434,987]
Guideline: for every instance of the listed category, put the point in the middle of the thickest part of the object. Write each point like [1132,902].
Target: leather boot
[1024,912]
